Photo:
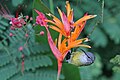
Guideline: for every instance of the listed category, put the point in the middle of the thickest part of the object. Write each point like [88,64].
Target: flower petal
[83,45]
[68,8]
[66,24]
[86,17]
[58,30]
[77,31]
[53,47]
[70,17]
[63,46]
[55,21]
[59,41]
[76,43]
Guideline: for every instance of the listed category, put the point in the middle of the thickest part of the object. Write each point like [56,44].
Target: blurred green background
[39,61]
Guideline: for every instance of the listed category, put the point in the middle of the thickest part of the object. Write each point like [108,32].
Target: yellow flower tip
[55,41]
[49,14]
[71,9]
[83,45]
[92,16]
[67,2]
[72,32]
[68,37]
[57,7]
[86,40]
[89,46]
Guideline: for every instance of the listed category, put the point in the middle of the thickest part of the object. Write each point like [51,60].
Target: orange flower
[66,25]
[61,47]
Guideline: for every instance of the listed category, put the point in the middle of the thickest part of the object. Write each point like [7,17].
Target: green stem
[102,13]
[59,69]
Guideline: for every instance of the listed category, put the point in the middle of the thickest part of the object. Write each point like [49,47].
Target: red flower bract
[41,19]
[17,23]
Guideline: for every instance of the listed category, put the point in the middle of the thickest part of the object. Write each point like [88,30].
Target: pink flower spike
[11,34]
[41,33]
[17,23]
[27,17]
[20,48]
[26,35]
[31,18]
[40,19]
[12,28]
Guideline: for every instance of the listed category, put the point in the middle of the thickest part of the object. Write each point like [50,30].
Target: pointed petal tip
[58,8]
[49,14]
[72,9]
[67,2]
[89,46]
[92,16]
[38,12]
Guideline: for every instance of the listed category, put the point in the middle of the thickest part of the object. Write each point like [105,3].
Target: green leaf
[40,74]
[17,2]
[112,29]
[38,4]
[38,61]
[4,58]
[70,72]
[98,37]
[8,71]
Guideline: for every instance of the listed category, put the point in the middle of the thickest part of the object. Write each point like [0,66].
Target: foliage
[116,62]
[39,62]
[11,57]
[17,2]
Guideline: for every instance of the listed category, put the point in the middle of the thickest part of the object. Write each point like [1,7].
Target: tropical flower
[67,28]
[41,18]
[67,24]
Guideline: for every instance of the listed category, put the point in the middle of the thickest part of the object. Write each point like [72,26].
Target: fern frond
[7,71]
[37,61]
[40,74]
[4,58]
